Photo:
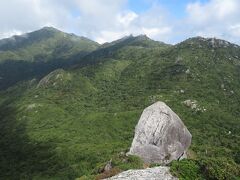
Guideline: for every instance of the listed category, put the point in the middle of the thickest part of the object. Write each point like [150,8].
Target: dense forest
[68,105]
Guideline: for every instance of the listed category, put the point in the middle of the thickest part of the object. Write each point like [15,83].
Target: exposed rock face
[56,77]
[108,166]
[156,173]
[160,135]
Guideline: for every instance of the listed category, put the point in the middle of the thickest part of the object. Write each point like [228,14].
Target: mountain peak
[210,42]
[49,28]
[142,37]
[46,40]
[19,41]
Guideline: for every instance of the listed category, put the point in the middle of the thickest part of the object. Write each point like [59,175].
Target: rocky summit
[160,135]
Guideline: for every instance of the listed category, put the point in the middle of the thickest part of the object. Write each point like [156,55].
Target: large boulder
[156,173]
[160,135]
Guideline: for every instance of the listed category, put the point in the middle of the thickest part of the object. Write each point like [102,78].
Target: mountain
[35,54]
[141,40]
[43,45]
[112,49]
[70,122]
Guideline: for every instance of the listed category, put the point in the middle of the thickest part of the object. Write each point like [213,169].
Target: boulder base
[156,173]
[160,135]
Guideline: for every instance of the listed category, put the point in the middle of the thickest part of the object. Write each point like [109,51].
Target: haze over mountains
[68,104]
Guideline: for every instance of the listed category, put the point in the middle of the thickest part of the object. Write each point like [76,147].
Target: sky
[170,21]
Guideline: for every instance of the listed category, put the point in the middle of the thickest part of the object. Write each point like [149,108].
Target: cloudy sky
[170,21]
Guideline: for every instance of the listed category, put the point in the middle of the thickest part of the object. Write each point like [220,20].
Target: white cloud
[218,18]
[100,7]
[217,10]
[235,29]
[155,32]
[117,21]
[107,36]
[101,20]
[28,15]
[10,33]
[107,20]
[126,18]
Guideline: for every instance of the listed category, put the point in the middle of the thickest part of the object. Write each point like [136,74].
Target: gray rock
[182,91]
[193,104]
[156,173]
[50,78]
[108,166]
[187,71]
[56,78]
[160,135]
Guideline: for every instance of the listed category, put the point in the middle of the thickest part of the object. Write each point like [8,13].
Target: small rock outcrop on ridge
[156,173]
[56,77]
[160,135]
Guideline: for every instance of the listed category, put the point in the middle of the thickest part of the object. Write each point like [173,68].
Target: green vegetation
[207,168]
[44,45]
[71,122]
[187,170]
[35,54]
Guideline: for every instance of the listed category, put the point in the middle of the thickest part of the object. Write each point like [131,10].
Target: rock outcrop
[160,135]
[193,104]
[55,78]
[156,173]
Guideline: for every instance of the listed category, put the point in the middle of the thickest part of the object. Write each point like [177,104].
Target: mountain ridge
[36,53]
[66,121]
[28,46]
[212,42]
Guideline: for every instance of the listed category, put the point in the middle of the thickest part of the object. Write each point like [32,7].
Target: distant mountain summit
[43,45]
[36,53]
[19,41]
[140,40]
[210,42]
[113,48]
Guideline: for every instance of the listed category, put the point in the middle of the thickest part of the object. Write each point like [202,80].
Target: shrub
[220,168]
[186,169]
